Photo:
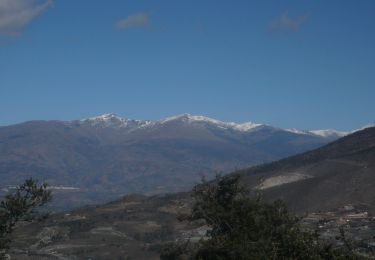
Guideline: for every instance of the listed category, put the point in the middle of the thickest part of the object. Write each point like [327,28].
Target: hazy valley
[338,190]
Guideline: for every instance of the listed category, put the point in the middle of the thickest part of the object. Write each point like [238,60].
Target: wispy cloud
[286,23]
[15,15]
[137,20]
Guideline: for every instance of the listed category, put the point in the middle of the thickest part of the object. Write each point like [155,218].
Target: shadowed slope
[329,177]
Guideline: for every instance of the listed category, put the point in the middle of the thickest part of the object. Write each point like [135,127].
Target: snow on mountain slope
[297,131]
[114,121]
[106,120]
[202,119]
[326,133]
[329,133]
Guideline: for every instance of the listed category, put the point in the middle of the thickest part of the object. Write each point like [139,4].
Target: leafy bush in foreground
[243,227]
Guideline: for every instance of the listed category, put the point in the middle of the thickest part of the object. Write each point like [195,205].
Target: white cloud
[288,24]
[15,15]
[138,20]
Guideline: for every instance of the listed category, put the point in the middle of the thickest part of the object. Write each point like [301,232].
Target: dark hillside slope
[338,174]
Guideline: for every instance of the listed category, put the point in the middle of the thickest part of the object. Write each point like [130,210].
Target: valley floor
[137,226]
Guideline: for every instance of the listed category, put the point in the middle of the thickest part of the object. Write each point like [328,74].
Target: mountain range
[334,183]
[100,158]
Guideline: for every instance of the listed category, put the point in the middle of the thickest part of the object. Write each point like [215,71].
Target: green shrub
[20,205]
[244,227]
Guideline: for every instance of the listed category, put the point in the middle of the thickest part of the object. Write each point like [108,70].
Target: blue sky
[301,64]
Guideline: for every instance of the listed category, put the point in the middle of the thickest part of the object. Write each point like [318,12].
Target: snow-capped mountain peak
[104,117]
[108,120]
[203,119]
[114,121]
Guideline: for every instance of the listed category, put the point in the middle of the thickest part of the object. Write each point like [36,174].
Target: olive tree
[20,205]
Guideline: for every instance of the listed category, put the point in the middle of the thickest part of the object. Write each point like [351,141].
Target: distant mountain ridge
[112,120]
[108,156]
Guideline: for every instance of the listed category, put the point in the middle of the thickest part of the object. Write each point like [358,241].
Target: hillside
[135,227]
[102,158]
[338,174]
[333,183]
